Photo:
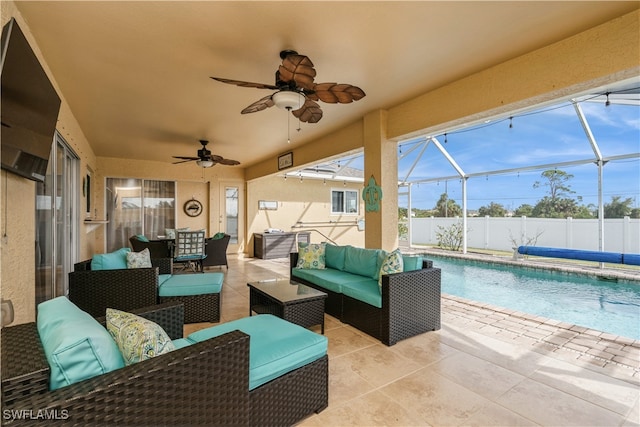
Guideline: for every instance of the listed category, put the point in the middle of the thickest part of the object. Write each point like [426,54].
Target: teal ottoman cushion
[77,347]
[191,284]
[275,347]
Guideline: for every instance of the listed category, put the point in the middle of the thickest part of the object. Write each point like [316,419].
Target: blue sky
[550,135]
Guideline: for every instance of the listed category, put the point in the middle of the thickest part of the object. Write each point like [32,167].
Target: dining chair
[189,249]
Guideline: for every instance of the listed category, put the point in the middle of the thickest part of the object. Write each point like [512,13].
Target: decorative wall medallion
[372,194]
[193,207]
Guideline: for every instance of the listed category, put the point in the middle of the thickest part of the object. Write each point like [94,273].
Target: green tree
[548,207]
[618,208]
[557,181]
[494,209]
[524,210]
[447,207]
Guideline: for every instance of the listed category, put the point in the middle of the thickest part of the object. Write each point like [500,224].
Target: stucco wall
[308,201]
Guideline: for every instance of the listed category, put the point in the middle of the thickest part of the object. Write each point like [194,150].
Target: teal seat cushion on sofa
[334,256]
[328,278]
[111,261]
[163,278]
[77,347]
[365,262]
[276,346]
[191,284]
[181,343]
[366,290]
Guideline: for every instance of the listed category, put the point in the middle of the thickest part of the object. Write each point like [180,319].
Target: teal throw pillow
[217,236]
[137,338]
[311,256]
[392,263]
[142,238]
[140,259]
[112,261]
[77,347]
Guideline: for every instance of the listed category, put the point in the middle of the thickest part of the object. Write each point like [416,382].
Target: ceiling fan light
[204,163]
[288,99]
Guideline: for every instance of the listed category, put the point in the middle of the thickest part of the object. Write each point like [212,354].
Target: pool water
[606,306]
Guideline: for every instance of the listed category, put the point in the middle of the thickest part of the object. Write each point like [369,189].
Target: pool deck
[616,355]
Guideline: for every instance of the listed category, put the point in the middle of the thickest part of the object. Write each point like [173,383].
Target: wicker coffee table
[288,300]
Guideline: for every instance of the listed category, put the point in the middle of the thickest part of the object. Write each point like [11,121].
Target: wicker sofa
[409,302]
[131,288]
[206,383]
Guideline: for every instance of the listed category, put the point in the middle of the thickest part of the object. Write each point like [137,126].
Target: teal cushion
[217,236]
[334,256]
[112,261]
[411,262]
[328,278]
[77,347]
[192,284]
[142,238]
[275,347]
[362,261]
[181,343]
[163,278]
[366,290]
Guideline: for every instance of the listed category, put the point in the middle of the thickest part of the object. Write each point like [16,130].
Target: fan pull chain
[288,126]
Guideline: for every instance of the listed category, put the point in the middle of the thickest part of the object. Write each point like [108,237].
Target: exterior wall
[308,202]
[620,234]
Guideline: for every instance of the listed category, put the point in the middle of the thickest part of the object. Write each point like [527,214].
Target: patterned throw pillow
[138,338]
[140,259]
[392,263]
[311,255]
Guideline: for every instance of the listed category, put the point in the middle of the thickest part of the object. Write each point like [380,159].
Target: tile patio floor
[487,366]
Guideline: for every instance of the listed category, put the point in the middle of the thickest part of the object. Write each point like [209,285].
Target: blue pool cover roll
[611,257]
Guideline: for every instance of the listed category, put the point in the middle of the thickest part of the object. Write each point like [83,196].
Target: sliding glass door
[137,206]
[57,222]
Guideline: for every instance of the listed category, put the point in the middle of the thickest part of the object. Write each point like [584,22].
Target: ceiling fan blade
[245,84]
[229,162]
[185,161]
[309,113]
[259,105]
[298,68]
[185,157]
[334,93]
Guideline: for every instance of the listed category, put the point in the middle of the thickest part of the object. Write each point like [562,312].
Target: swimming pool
[580,300]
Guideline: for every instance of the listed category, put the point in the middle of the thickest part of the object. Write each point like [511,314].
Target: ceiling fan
[296,90]
[205,159]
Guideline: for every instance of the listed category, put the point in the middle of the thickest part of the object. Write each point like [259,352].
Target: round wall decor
[193,207]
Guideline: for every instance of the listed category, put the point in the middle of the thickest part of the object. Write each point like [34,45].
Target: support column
[381,161]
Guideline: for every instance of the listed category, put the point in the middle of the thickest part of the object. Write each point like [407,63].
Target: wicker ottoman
[199,292]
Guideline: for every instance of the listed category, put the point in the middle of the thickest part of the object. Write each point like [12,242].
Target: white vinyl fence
[620,234]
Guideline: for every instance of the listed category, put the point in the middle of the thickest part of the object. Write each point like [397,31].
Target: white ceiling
[136,74]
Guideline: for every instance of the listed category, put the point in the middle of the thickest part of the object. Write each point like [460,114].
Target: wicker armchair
[216,250]
[209,385]
[123,289]
[410,304]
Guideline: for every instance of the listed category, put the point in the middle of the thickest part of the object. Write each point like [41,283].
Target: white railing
[620,234]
